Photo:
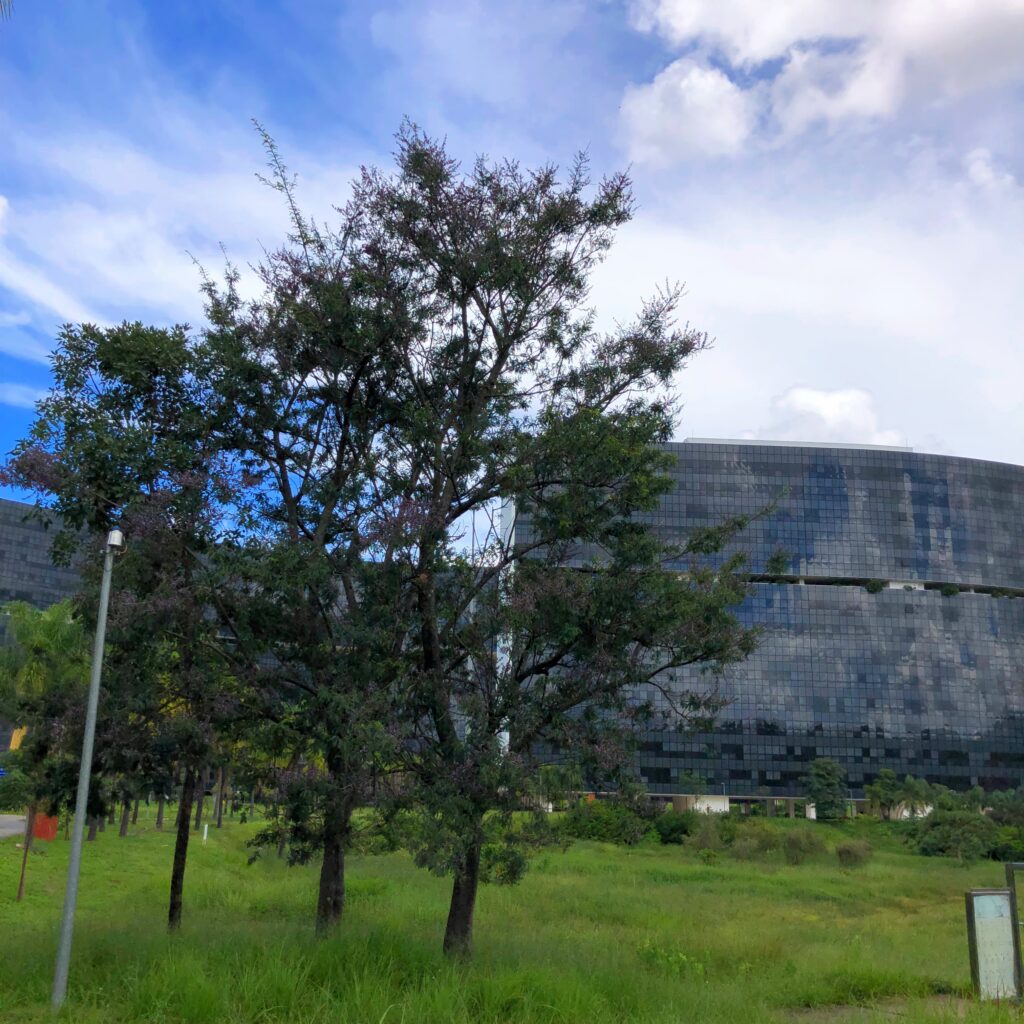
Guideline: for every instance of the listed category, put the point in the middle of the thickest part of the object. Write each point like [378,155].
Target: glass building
[894,640]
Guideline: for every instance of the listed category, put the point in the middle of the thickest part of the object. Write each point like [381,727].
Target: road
[11,825]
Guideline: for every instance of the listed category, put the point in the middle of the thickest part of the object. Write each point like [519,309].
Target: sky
[838,185]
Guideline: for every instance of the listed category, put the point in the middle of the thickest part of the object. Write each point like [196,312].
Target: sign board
[3,772]
[994,943]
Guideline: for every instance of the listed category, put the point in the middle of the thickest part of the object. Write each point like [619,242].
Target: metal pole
[67,922]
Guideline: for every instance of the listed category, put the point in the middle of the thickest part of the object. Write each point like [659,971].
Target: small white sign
[994,946]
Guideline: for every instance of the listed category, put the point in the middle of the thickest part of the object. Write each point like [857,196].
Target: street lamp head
[115,539]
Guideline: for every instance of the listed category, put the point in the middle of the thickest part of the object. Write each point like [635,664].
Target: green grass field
[596,934]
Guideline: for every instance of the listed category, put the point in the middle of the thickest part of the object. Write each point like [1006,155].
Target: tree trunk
[135,812]
[101,822]
[252,804]
[221,790]
[458,934]
[26,847]
[200,798]
[126,813]
[160,813]
[94,824]
[282,842]
[218,798]
[112,816]
[331,901]
[188,789]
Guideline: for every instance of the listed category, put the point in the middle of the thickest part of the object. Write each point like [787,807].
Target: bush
[964,834]
[801,844]
[672,826]
[15,791]
[950,590]
[606,821]
[874,586]
[1009,843]
[706,836]
[754,841]
[853,854]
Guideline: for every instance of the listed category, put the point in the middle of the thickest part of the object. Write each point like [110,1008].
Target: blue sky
[836,183]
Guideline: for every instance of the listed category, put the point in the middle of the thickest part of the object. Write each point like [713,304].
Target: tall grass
[597,934]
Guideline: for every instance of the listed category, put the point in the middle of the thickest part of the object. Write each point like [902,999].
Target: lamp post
[115,541]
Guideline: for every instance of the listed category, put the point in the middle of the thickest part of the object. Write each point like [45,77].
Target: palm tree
[5,8]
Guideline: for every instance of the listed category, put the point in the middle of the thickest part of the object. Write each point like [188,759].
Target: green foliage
[949,590]
[16,789]
[874,586]
[1009,843]
[754,841]
[825,785]
[707,836]
[673,827]
[607,821]
[800,844]
[962,833]
[853,853]
[674,961]
[885,793]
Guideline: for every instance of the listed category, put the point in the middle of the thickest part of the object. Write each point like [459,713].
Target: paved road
[11,825]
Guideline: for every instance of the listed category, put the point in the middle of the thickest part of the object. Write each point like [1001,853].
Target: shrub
[1009,844]
[874,586]
[606,821]
[950,590]
[754,841]
[706,835]
[964,834]
[672,826]
[800,844]
[709,856]
[15,791]
[854,853]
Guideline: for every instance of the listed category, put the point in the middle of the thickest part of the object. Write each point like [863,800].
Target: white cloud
[20,395]
[911,296]
[846,416]
[117,238]
[687,109]
[984,171]
[842,62]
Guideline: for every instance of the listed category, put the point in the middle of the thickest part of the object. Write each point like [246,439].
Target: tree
[307,371]
[510,398]
[886,793]
[825,785]
[126,437]
[916,794]
[43,669]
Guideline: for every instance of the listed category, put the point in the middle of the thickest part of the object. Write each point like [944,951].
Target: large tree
[512,399]
[307,370]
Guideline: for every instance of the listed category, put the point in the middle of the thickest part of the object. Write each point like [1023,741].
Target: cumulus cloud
[687,109]
[845,416]
[819,61]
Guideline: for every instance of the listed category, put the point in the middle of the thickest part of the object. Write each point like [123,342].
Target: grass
[597,934]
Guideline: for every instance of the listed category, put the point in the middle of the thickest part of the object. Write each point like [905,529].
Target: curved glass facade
[914,677]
